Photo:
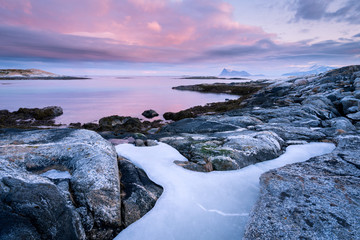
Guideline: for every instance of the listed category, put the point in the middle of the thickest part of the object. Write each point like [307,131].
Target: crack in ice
[222,213]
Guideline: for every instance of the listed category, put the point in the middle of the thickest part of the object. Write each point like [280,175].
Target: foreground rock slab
[86,205]
[317,199]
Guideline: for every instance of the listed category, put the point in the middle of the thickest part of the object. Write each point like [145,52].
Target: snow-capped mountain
[315,69]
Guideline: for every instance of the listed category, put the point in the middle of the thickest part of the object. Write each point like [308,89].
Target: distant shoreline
[44,78]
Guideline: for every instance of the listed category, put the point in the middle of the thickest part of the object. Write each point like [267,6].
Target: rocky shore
[103,193]
[317,199]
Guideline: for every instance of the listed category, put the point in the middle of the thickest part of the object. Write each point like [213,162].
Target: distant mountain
[315,69]
[232,73]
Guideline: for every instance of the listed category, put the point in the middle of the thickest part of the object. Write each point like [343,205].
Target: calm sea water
[89,100]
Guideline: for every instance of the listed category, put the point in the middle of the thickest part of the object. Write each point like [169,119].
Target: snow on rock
[198,205]
[56,174]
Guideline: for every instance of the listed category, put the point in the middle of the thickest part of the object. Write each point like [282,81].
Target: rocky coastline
[29,74]
[316,199]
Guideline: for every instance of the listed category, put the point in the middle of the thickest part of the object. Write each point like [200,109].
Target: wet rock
[29,117]
[139,193]
[93,185]
[42,113]
[150,113]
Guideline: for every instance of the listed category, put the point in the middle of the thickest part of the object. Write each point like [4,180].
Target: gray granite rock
[343,124]
[229,151]
[93,186]
[288,132]
[348,103]
[316,199]
[354,116]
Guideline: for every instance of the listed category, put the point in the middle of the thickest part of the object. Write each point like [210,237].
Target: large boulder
[316,199]
[227,151]
[350,104]
[87,202]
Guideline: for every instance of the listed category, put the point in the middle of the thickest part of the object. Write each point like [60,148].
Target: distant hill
[25,73]
[16,74]
[232,73]
[315,69]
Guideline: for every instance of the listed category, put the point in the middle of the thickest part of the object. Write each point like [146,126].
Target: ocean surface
[91,99]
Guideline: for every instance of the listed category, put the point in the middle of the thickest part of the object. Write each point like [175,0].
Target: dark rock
[93,185]
[29,117]
[139,193]
[349,102]
[75,125]
[91,126]
[239,121]
[107,123]
[40,204]
[196,126]
[41,114]
[357,94]
[150,113]
[179,115]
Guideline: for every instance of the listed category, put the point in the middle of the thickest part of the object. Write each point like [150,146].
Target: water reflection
[89,100]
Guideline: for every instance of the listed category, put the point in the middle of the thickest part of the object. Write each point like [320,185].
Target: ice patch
[198,205]
[56,174]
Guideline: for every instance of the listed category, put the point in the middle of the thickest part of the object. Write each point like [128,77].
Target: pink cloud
[137,30]
[155,26]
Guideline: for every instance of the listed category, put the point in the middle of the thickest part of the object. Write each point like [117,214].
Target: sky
[178,37]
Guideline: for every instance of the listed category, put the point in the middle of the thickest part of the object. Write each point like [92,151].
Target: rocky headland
[23,74]
[103,193]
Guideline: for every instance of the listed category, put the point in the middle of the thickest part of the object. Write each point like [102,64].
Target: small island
[25,74]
